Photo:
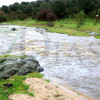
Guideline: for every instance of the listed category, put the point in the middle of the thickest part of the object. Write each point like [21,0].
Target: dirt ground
[44,90]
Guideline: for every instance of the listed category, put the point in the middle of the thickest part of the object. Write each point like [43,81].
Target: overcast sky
[8,2]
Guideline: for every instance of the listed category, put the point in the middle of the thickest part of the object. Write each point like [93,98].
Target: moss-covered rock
[21,65]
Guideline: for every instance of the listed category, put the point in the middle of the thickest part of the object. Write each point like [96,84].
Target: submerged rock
[21,65]
[13,29]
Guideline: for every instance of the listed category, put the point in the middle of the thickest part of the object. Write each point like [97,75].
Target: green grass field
[64,26]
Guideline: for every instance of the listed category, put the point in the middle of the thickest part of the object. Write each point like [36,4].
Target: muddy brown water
[69,60]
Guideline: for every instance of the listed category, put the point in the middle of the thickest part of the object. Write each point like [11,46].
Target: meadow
[64,26]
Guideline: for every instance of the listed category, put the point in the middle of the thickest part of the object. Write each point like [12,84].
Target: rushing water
[69,60]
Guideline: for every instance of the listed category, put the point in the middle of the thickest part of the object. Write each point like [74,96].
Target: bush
[12,16]
[51,17]
[3,19]
[80,19]
[22,17]
[2,16]
[92,14]
[43,14]
[50,24]
[2,13]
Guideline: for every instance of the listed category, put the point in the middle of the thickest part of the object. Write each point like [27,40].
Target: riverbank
[44,90]
[33,87]
[64,26]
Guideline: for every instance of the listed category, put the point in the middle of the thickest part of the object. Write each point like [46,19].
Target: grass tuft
[47,80]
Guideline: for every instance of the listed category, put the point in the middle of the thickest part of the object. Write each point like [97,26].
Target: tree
[51,17]
[80,5]
[42,15]
[61,8]
[85,5]
[89,6]
[5,9]
[27,9]
[58,7]
[24,3]
[14,7]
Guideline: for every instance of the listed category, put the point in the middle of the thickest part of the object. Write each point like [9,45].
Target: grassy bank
[16,82]
[19,87]
[64,26]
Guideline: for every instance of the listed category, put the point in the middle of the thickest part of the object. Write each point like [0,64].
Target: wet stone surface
[12,65]
[69,60]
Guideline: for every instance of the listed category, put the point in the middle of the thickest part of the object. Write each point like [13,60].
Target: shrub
[3,19]
[22,17]
[2,16]
[80,18]
[92,14]
[50,24]
[51,17]
[43,14]
[61,25]
[11,16]
[2,13]
[34,14]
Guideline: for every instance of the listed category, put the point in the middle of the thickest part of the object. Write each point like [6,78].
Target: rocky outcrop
[21,65]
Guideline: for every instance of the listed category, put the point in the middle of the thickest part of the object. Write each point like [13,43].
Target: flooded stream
[69,60]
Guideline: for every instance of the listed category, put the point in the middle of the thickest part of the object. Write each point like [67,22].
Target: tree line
[49,9]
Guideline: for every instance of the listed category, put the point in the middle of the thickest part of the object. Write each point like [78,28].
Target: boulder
[13,29]
[20,65]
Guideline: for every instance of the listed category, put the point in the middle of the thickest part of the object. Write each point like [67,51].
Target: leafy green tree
[89,6]
[58,7]
[24,3]
[61,8]
[5,9]
[28,9]
[45,5]
[14,7]
[80,5]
